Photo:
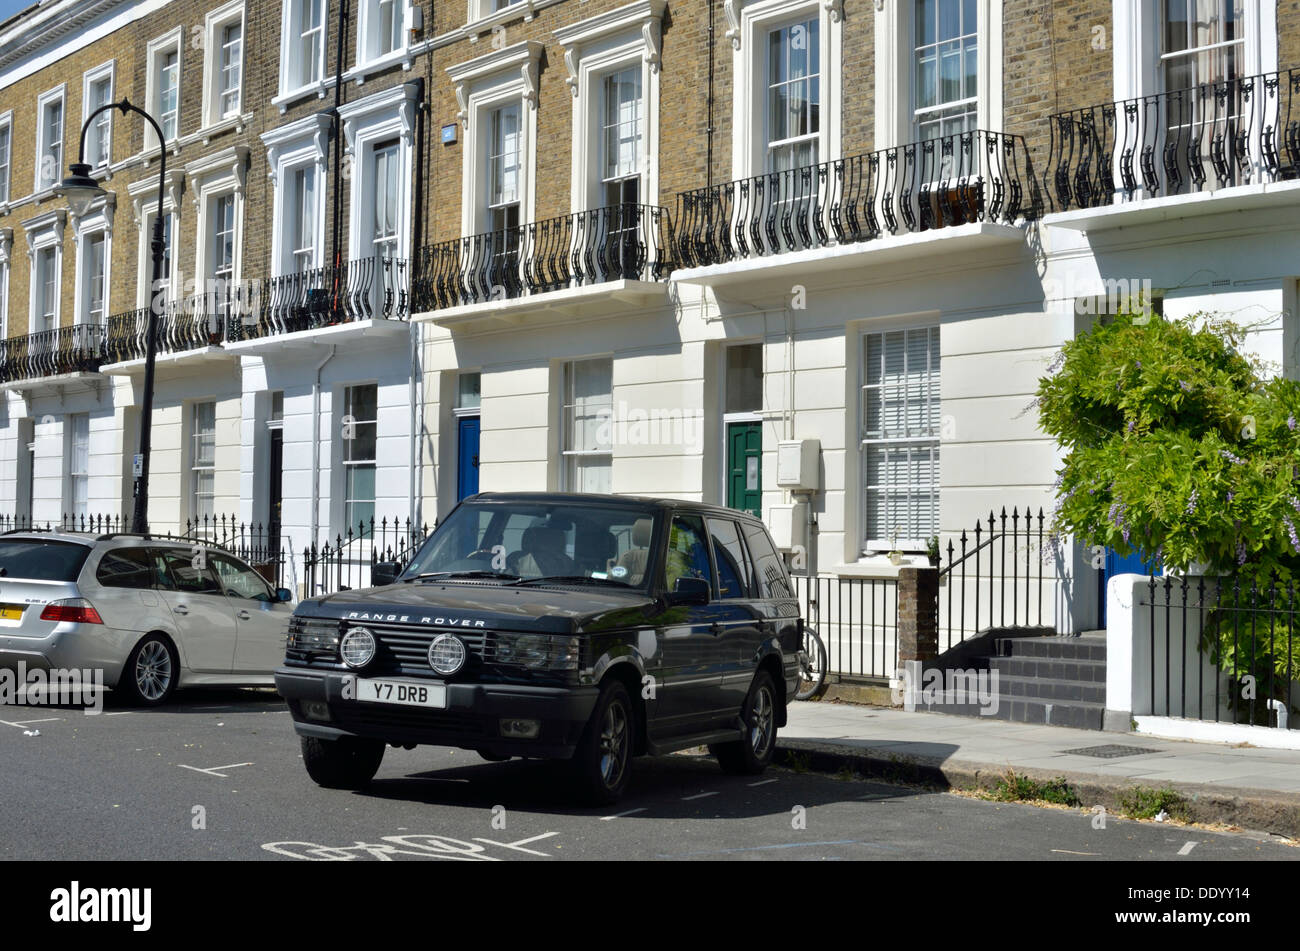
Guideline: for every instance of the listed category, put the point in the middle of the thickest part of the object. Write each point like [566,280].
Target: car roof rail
[25,531]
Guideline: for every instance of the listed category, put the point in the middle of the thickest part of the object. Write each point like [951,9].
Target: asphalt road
[218,775]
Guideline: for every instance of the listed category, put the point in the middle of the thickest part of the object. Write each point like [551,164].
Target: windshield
[40,560]
[521,541]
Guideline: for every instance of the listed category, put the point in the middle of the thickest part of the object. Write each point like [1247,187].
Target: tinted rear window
[40,560]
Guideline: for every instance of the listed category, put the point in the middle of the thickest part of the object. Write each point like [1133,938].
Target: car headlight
[312,635]
[357,648]
[537,651]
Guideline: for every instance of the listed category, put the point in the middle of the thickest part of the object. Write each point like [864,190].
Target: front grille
[405,650]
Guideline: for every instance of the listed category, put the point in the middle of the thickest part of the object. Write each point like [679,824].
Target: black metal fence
[190,323]
[856,619]
[996,576]
[618,242]
[372,288]
[955,179]
[346,563]
[1229,132]
[1219,650]
[76,349]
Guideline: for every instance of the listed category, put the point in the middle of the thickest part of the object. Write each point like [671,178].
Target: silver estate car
[152,614]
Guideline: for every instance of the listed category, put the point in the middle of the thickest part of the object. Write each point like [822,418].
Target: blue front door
[1131,565]
[467,457]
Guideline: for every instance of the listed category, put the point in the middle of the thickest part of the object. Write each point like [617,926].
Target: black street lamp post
[82,190]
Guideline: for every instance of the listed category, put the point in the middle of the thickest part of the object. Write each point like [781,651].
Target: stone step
[1062,648]
[1079,714]
[1077,671]
[1050,690]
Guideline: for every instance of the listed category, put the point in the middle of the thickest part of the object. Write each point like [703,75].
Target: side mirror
[385,572]
[283,594]
[690,591]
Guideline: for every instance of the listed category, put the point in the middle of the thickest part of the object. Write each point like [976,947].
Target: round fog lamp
[358,647]
[447,654]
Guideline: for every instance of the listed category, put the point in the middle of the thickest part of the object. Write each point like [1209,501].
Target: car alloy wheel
[153,671]
[761,720]
[613,745]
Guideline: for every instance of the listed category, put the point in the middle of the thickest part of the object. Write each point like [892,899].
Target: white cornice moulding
[50,221]
[732,8]
[315,127]
[233,160]
[646,15]
[144,192]
[523,56]
[6,244]
[398,99]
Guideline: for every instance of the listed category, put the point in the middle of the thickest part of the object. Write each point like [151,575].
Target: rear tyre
[150,673]
[345,763]
[812,667]
[603,761]
[753,753]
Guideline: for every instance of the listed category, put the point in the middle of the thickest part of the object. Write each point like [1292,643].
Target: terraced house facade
[803,257]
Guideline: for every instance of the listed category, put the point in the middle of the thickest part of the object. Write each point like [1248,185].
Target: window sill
[317,89]
[527,9]
[362,71]
[210,131]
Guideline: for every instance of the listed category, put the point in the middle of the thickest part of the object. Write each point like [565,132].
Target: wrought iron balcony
[192,323]
[76,349]
[364,289]
[1230,132]
[955,179]
[625,242]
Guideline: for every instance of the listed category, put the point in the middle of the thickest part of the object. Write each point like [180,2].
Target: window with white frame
[221,252]
[6,160]
[386,201]
[502,196]
[167,99]
[49,140]
[146,240]
[45,289]
[79,464]
[587,423]
[232,67]
[793,95]
[359,432]
[94,292]
[900,438]
[302,222]
[946,62]
[382,28]
[98,92]
[303,57]
[622,135]
[789,78]
[6,250]
[203,459]
[1201,41]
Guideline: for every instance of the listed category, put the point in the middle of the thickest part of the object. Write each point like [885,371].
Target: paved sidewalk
[1254,788]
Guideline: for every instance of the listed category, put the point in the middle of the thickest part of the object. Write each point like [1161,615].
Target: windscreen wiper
[570,579]
[470,573]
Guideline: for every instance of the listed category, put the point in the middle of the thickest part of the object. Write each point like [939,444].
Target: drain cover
[1111,751]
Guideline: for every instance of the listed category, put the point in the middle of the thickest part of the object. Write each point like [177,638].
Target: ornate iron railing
[77,349]
[363,289]
[189,324]
[617,242]
[955,179]
[346,563]
[1237,131]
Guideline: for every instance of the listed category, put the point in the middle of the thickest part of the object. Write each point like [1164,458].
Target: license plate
[11,612]
[402,692]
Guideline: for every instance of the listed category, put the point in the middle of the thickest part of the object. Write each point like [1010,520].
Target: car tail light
[75,610]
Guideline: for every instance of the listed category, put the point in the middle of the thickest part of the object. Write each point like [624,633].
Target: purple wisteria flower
[1290,422]
[1231,495]
[1235,460]
[1191,502]
[1131,424]
[1241,553]
[1291,533]
[1187,387]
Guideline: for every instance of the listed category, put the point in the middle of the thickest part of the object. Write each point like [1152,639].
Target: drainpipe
[415,384]
[315,448]
[337,232]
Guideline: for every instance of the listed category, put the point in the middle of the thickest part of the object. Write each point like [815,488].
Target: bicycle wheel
[812,667]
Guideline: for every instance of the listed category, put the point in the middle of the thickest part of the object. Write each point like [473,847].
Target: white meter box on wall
[797,464]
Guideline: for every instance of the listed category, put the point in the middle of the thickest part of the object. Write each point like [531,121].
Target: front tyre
[602,763]
[753,753]
[345,763]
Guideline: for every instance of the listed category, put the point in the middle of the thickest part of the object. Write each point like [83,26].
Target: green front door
[745,466]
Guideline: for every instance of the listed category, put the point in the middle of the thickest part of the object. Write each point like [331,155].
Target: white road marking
[46,720]
[517,846]
[699,796]
[1187,849]
[120,713]
[762,782]
[212,770]
[620,815]
[1068,852]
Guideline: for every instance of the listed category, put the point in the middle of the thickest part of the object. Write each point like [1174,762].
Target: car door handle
[244,615]
[181,609]
[715,628]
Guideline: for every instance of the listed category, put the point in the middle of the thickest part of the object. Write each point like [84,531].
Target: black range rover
[589,628]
